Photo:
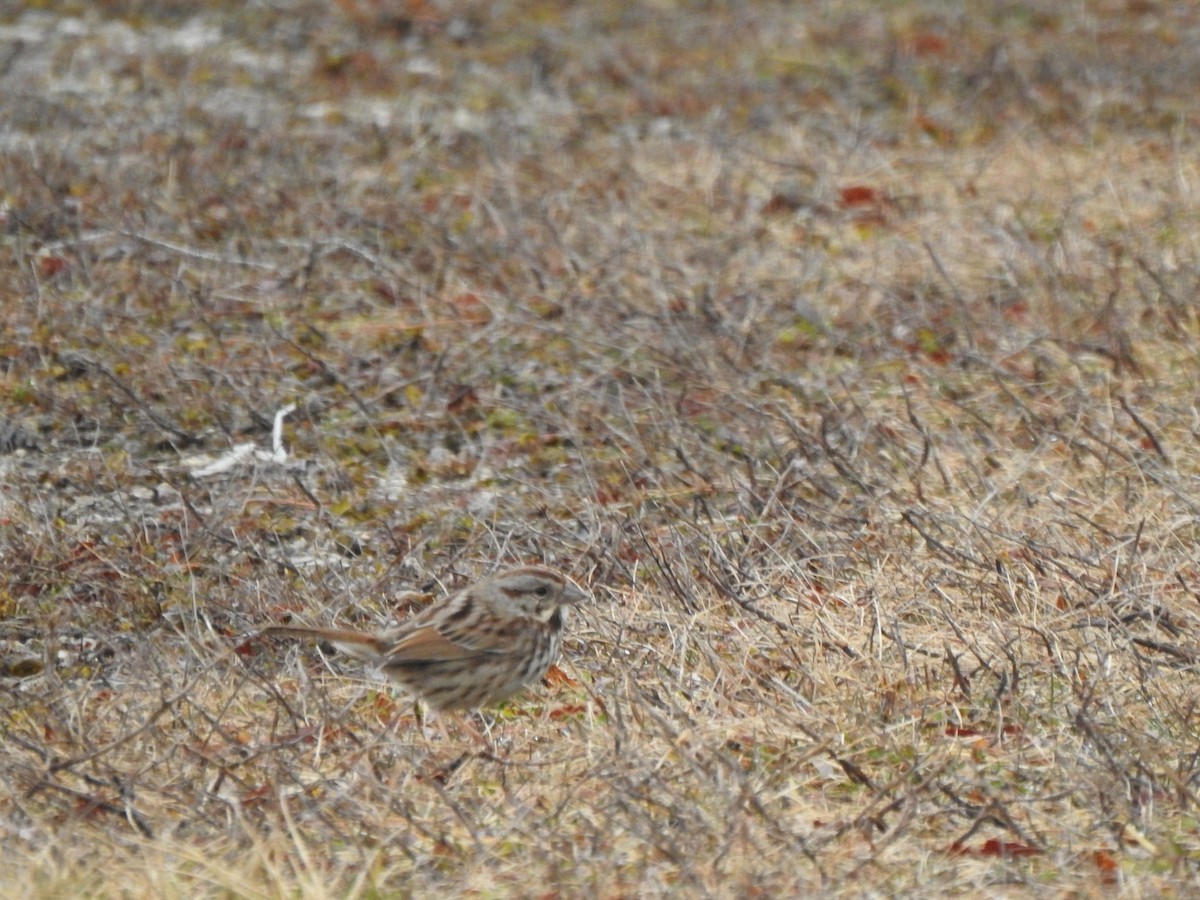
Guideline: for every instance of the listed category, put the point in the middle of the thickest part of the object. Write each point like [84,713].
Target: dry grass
[846,351]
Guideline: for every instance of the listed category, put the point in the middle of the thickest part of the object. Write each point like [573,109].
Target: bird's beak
[573,594]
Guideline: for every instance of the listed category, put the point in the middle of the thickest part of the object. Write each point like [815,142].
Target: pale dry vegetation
[846,351]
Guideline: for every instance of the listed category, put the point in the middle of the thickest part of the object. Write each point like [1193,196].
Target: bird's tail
[355,643]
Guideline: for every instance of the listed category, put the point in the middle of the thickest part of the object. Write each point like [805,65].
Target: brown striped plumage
[474,648]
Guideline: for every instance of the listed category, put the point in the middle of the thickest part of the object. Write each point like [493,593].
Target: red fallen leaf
[564,712]
[1107,865]
[90,807]
[606,496]
[555,675]
[471,310]
[1013,730]
[781,204]
[49,266]
[926,44]
[958,848]
[461,396]
[1018,310]
[384,291]
[696,403]
[255,794]
[244,649]
[1011,849]
[961,731]
[887,431]
[859,195]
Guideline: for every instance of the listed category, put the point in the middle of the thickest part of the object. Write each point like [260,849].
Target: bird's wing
[438,642]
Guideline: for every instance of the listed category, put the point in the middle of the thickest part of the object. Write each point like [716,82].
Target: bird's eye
[541,591]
